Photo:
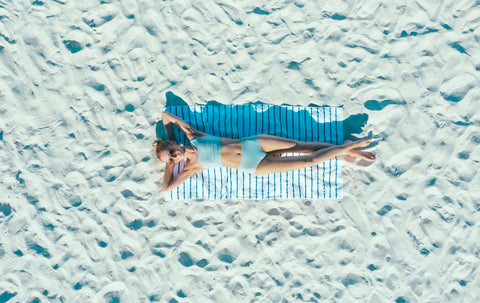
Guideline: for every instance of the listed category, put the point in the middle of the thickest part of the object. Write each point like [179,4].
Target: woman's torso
[230,151]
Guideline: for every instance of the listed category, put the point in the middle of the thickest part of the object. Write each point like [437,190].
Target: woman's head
[168,151]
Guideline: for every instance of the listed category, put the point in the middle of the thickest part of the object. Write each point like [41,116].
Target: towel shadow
[174,100]
[351,125]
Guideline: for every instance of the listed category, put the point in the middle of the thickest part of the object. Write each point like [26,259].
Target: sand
[83,84]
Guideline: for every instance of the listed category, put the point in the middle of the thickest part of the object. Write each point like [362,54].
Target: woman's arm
[170,183]
[169,132]
[190,132]
[167,176]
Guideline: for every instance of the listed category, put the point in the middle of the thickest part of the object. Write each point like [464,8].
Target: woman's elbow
[169,187]
[166,188]
[167,115]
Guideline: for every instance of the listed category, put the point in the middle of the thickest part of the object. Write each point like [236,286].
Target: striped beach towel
[322,181]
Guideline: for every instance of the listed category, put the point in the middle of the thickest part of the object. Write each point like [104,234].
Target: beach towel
[322,181]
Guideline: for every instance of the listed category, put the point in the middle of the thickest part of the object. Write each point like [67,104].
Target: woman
[258,155]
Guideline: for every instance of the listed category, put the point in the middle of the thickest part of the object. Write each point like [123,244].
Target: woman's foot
[361,154]
[356,144]
[353,152]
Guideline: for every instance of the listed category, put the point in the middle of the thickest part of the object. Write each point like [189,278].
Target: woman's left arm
[169,131]
[189,131]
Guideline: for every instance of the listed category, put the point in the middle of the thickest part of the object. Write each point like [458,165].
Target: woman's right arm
[170,183]
[167,176]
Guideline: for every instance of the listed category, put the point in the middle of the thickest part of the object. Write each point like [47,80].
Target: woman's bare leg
[280,145]
[271,164]
[275,146]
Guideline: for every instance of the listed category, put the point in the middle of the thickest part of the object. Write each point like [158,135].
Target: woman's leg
[281,145]
[271,164]
[276,146]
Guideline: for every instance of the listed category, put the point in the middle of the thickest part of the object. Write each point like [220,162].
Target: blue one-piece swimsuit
[210,156]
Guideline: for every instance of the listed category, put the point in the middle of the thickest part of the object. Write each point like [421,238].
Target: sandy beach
[84,83]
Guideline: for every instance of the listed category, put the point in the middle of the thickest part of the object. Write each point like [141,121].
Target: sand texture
[83,84]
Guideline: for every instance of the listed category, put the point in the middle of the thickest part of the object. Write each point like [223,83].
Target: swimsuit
[210,156]
[252,154]
[209,150]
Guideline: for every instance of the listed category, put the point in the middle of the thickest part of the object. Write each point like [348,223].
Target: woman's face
[171,154]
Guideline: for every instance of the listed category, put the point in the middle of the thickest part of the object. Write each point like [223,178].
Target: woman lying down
[257,155]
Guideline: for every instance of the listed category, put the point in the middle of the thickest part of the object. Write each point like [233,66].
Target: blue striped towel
[322,181]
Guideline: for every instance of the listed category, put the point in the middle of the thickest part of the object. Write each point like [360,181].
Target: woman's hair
[160,144]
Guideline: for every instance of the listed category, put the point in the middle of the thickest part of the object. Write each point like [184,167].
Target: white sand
[81,218]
